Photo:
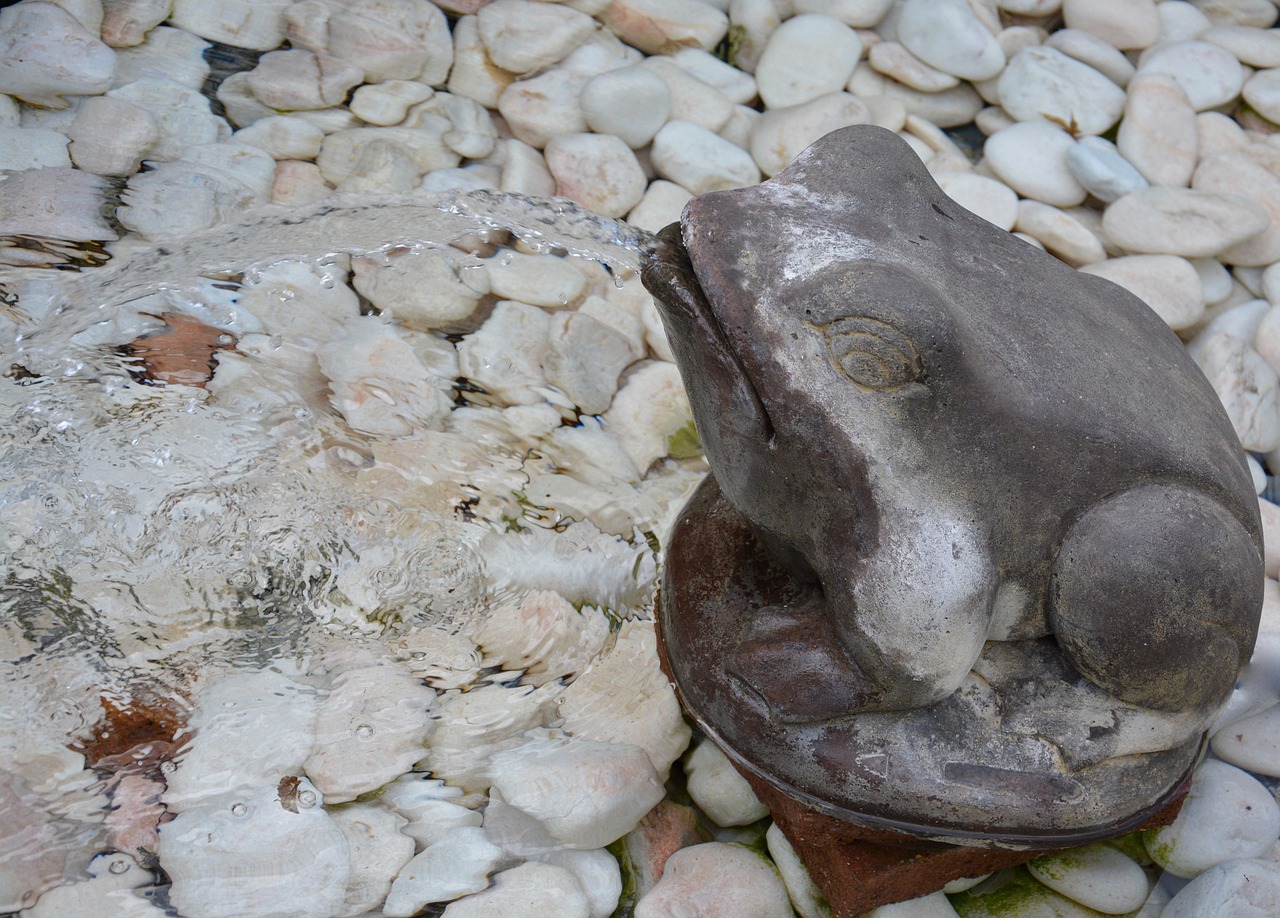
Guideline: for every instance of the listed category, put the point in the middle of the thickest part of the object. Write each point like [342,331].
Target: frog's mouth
[720,388]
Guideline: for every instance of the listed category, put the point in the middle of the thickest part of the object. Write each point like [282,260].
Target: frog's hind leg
[1157,593]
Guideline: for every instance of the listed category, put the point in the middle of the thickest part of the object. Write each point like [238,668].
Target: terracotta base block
[859,869]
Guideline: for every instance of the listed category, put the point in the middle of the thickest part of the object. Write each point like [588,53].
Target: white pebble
[587,794]
[45,53]
[1246,888]
[1182,221]
[543,107]
[1215,279]
[756,20]
[934,905]
[1240,173]
[1124,24]
[60,203]
[126,22]
[662,204]
[1209,75]
[1251,45]
[1030,157]
[295,79]
[896,62]
[1262,92]
[168,54]
[806,898]
[1227,815]
[1041,83]
[1061,234]
[650,411]
[1091,50]
[598,171]
[738,86]
[521,35]
[385,104]
[598,873]
[861,14]
[781,134]
[250,852]
[32,148]
[699,160]
[473,75]
[1252,743]
[531,889]
[991,200]
[692,99]
[524,170]
[456,866]
[946,34]
[1166,283]
[664,26]
[631,103]
[541,280]
[369,729]
[377,853]
[949,108]
[256,24]
[1248,388]
[1180,21]
[718,789]
[283,137]
[1102,170]
[806,57]
[716,879]
[1159,133]
[1259,13]
[1098,877]
[423,145]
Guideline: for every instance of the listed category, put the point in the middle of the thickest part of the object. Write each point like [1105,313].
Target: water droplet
[239,809]
[168,767]
[225,339]
[364,731]
[307,799]
[119,866]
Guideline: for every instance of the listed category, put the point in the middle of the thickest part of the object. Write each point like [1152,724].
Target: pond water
[228,478]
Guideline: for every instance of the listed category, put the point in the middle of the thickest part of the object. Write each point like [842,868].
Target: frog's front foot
[791,657]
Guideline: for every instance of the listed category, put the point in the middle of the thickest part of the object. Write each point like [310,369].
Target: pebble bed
[532,761]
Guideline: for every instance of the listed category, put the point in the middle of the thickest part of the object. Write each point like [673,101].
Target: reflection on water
[231,487]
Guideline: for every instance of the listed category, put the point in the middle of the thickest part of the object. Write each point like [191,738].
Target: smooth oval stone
[896,62]
[1228,814]
[1099,877]
[1247,888]
[1262,92]
[1043,84]
[993,201]
[1210,75]
[1166,283]
[1246,173]
[1092,50]
[1099,167]
[806,57]
[631,103]
[699,160]
[1061,234]
[1124,24]
[1252,743]
[1159,134]
[1250,44]
[780,135]
[949,108]
[1247,387]
[947,35]
[1031,158]
[1182,221]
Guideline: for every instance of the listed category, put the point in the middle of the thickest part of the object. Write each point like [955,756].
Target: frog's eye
[872,353]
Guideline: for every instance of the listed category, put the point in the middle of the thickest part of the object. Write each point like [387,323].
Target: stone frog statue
[977,529]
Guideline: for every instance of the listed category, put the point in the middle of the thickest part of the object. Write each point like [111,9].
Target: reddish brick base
[858,869]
